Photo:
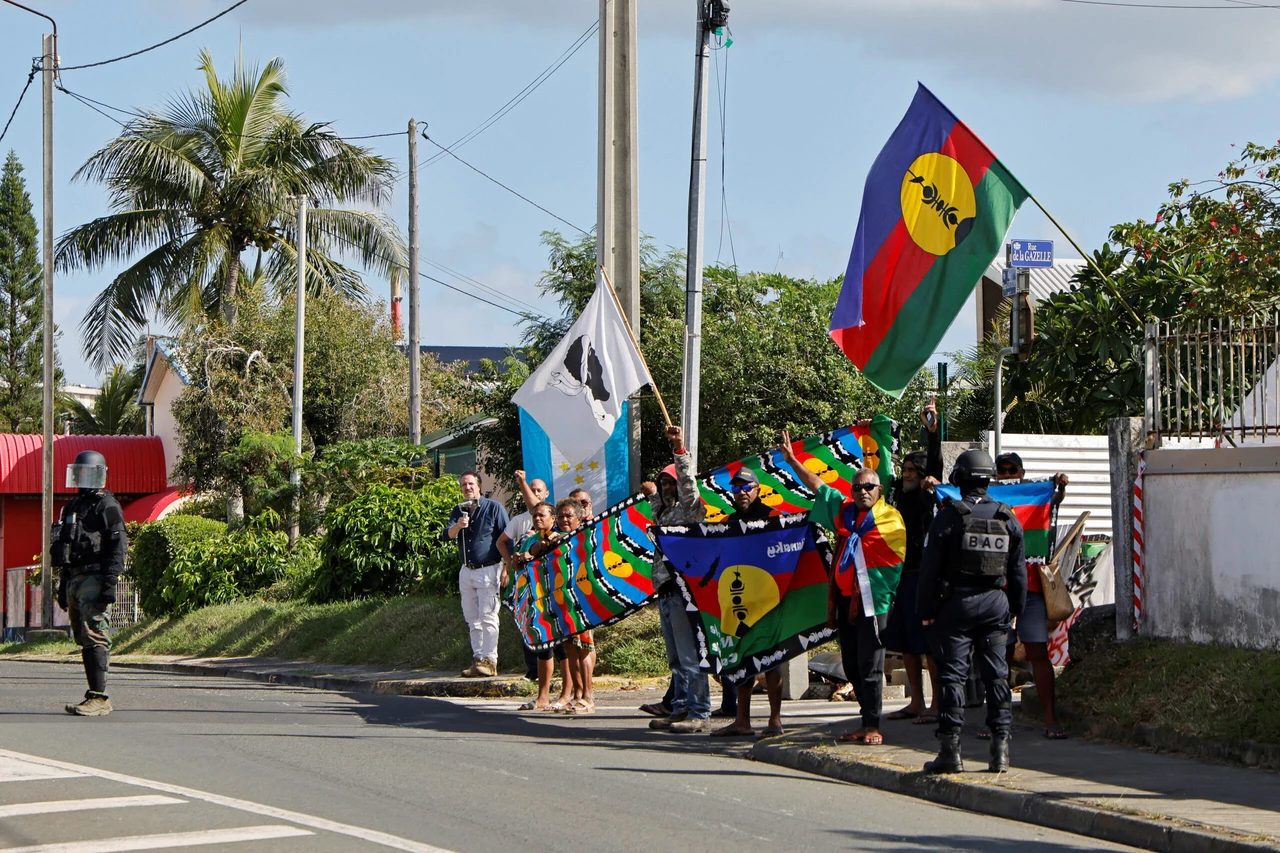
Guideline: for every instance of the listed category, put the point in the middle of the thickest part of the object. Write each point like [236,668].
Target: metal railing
[1213,379]
[22,605]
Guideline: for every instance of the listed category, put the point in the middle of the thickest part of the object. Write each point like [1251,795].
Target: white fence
[1083,458]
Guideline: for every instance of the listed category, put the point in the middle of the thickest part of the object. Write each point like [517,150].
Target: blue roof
[471,355]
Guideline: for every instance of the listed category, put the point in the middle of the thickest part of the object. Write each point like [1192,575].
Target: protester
[861,623]
[747,506]
[544,521]
[583,497]
[973,577]
[678,502]
[533,492]
[1033,627]
[476,524]
[581,648]
[913,496]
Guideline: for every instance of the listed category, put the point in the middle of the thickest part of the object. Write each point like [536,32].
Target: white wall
[1212,545]
[1083,458]
[165,427]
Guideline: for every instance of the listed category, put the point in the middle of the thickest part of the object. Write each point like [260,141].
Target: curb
[464,688]
[999,800]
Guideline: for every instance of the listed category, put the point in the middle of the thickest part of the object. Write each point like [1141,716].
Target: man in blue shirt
[475,524]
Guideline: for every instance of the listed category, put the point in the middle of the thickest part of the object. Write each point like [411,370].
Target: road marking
[373,836]
[57,806]
[17,770]
[164,840]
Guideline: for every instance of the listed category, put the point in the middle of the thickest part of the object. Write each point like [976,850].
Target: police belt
[966,591]
[480,565]
[86,569]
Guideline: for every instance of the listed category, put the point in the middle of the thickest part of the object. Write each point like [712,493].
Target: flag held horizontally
[577,394]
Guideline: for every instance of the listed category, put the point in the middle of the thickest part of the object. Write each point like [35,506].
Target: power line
[229,9]
[1123,5]
[722,101]
[35,69]
[484,287]
[504,186]
[540,319]
[523,93]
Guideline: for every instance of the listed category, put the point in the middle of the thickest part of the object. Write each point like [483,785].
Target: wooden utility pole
[414,343]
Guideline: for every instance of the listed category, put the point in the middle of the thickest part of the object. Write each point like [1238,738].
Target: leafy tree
[115,411]
[213,173]
[1212,251]
[21,305]
[767,360]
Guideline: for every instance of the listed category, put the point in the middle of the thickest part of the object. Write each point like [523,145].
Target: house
[164,379]
[471,356]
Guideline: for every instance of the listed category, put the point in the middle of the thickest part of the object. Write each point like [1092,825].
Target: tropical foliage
[21,305]
[115,411]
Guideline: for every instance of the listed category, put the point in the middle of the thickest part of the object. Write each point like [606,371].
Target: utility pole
[299,348]
[712,14]
[414,342]
[618,198]
[49,66]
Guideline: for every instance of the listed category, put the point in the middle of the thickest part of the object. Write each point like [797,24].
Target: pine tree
[21,297]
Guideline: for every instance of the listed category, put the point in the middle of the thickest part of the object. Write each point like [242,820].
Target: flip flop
[729,731]
[771,733]
[656,709]
[984,734]
[925,720]
[865,738]
[901,715]
[1056,734]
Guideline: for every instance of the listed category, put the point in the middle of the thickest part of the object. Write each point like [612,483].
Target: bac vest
[984,540]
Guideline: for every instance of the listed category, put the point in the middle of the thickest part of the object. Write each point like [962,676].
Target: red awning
[135,463]
[153,507]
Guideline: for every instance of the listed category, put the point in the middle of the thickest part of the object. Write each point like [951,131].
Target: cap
[670,471]
[745,475]
[1010,458]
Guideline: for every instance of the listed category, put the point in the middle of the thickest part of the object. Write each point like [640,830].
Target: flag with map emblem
[755,592]
[935,209]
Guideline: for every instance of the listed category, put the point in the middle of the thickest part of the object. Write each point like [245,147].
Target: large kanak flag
[577,394]
[935,209]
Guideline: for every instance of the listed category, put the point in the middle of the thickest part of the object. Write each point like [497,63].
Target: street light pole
[415,331]
[49,65]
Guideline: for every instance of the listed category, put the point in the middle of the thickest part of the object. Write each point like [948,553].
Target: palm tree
[116,411]
[213,173]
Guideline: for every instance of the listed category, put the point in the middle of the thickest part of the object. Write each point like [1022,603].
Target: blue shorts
[1033,624]
[904,633]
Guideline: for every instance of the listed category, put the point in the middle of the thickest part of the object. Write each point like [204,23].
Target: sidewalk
[1092,788]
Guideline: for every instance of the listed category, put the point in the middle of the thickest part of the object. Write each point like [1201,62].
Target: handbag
[1057,599]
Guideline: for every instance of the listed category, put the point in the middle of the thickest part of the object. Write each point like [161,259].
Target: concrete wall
[164,426]
[1212,540]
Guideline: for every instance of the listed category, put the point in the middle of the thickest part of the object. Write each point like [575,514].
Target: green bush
[386,542]
[155,547]
[244,562]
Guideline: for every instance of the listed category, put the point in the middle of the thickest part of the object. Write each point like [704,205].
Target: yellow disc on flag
[746,594]
[938,203]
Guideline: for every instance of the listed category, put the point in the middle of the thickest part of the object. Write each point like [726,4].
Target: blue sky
[1096,109]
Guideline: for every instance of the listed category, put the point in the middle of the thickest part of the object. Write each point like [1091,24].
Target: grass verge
[1207,691]
[416,633]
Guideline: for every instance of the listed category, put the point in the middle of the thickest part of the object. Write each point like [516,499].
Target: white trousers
[480,608]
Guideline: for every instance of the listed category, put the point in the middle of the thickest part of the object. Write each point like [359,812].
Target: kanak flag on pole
[936,207]
[578,394]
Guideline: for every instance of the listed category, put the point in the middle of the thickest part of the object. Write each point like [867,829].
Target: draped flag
[606,474]
[577,394]
[599,575]
[755,592]
[833,456]
[935,209]
[879,544]
[1032,502]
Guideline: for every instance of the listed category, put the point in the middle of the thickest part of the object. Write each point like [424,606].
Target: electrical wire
[228,10]
[1124,5]
[519,97]
[504,186]
[484,287]
[722,101]
[540,319]
[35,69]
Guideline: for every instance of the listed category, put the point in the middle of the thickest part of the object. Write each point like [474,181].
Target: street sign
[1031,253]
[1008,281]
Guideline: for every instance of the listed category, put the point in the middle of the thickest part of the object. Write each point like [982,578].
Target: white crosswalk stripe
[165,840]
[14,769]
[58,806]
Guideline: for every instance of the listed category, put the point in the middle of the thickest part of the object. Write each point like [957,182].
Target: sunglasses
[738,488]
[1006,469]
[865,487]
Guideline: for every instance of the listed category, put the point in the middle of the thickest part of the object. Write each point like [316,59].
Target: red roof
[135,463]
[155,506]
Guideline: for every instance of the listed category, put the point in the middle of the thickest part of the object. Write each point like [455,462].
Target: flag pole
[1087,259]
[609,283]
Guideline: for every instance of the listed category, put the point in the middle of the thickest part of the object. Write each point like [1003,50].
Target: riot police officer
[88,548]
[973,580]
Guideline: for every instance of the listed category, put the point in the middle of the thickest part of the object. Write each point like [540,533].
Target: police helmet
[89,471]
[973,465]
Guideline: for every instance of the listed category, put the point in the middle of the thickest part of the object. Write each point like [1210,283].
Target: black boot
[96,659]
[948,760]
[999,752]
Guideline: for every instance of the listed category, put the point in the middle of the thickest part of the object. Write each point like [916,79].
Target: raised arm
[810,479]
[530,499]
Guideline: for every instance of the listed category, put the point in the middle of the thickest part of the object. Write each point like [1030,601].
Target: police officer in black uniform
[973,580]
[88,548]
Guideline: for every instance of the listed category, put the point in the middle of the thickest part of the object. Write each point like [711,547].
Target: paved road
[238,766]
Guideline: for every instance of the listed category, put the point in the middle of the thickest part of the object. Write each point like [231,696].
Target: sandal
[771,732]
[865,738]
[532,705]
[925,720]
[730,731]
[1056,734]
[984,734]
[656,709]
[901,715]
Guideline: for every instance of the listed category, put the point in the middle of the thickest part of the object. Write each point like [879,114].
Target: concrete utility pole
[299,349]
[414,342]
[711,15]
[617,201]
[49,64]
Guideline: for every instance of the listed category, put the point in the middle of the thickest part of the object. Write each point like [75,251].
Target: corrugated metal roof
[1083,458]
[135,463]
[1044,281]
